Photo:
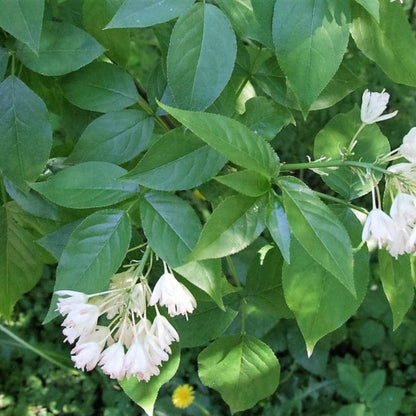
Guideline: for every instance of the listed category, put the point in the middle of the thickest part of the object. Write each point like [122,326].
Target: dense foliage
[141,139]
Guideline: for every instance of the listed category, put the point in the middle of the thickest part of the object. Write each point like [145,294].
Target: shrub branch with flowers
[139,150]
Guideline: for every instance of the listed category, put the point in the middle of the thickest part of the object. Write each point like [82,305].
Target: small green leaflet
[92,255]
[101,87]
[234,224]
[63,48]
[115,137]
[87,185]
[318,230]
[232,139]
[201,57]
[25,131]
[23,20]
[241,368]
[144,13]
[178,160]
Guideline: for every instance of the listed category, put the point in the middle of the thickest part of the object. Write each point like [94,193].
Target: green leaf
[144,13]
[56,241]
[318,230]
[23,20]
[242,369]
[234,224]
[320,302]
[264,117]
[115,137]
[207,275]
[271,80]
[201,57]
[231,138]
[34,203]
[20,263]
[25,131]
[206,322]
[171,226]
[4,60]
[310,55]
[372,7]
[356,409]
[388,42]
[63,48]
[178,160]
[335,138]
[247,182]
[388,402]
[145,394]
[251,18]
[396,277]
[351,380]
[373,384]
[93,254]
[95,16]
[264,288]
[101,87]
[87,185]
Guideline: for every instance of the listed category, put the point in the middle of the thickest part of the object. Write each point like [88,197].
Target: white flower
[137,362]
[139,298]
[379,227]
[65,305]
[112,361]
[408,148]
[400,244]
[81,319]
[373,106]
[172,294]
[403,210]
[155,352]
[164,331]
[87,352]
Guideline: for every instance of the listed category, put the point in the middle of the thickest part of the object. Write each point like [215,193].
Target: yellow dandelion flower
[183,396]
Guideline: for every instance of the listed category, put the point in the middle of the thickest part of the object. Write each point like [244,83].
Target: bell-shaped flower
[154,350]
[403,210]
[373,105]
[379,227]
[138,363]
[172,294]
[82,319]
[139,298]
[87,352]
[400,244]
[163,330]
[408,147]
[66,304]
[112,361]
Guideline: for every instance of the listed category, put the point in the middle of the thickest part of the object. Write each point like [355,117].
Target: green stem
[146,107]
[332,164]
[143,261]
[340,201]
[33,349]
[202,408]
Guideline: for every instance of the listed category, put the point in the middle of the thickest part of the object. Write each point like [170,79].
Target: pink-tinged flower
[137,362]
[112,361]
[379,227]
[164,331]
[87,352]
[82,319]
[408,147]
[172,294]
[66,304]
[155,351]
[373,106]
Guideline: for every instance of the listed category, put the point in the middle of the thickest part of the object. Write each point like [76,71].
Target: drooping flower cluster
[397,231]
[127,343]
